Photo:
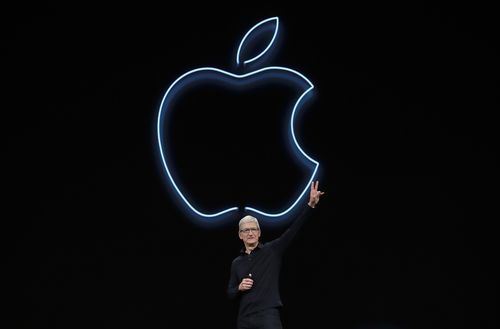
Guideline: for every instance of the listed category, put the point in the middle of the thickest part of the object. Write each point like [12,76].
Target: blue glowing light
[215,73]
[250,32]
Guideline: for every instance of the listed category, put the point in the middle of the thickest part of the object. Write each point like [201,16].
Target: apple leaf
[252,34]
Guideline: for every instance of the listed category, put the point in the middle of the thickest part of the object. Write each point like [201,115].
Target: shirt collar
[243,249]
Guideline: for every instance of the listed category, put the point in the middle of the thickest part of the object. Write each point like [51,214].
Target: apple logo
[204,77]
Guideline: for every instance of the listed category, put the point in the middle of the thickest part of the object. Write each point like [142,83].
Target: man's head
[249,230]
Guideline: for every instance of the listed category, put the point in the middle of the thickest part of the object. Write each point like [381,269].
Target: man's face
[249,233]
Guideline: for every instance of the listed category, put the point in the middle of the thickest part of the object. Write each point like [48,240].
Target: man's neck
[250,247]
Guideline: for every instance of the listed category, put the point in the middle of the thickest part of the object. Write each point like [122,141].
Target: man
[254,277]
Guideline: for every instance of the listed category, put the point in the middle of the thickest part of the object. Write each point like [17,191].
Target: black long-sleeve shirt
[264,264]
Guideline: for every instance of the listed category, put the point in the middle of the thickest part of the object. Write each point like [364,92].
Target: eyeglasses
[248,230]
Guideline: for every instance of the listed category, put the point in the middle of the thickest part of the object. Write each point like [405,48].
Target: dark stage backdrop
[402,123]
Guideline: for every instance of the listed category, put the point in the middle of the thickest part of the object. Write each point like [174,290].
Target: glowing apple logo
[215,76]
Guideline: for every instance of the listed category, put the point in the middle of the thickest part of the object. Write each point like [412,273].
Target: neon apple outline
[219,74]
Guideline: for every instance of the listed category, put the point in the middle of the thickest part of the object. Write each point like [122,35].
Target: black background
[403,124]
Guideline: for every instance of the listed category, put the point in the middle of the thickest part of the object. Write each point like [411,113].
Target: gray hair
[248,219]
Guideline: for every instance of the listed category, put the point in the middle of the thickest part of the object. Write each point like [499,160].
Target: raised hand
[314,194]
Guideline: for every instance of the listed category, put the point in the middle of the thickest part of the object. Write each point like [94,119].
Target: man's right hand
[245,284]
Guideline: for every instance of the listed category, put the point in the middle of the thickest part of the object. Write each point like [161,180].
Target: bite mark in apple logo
[213,76]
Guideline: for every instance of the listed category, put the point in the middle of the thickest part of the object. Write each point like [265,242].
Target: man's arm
[232,287]
[281,243]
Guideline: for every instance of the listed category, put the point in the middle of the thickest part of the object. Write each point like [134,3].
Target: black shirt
[264,264]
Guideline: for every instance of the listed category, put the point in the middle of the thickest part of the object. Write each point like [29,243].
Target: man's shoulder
[237,258]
